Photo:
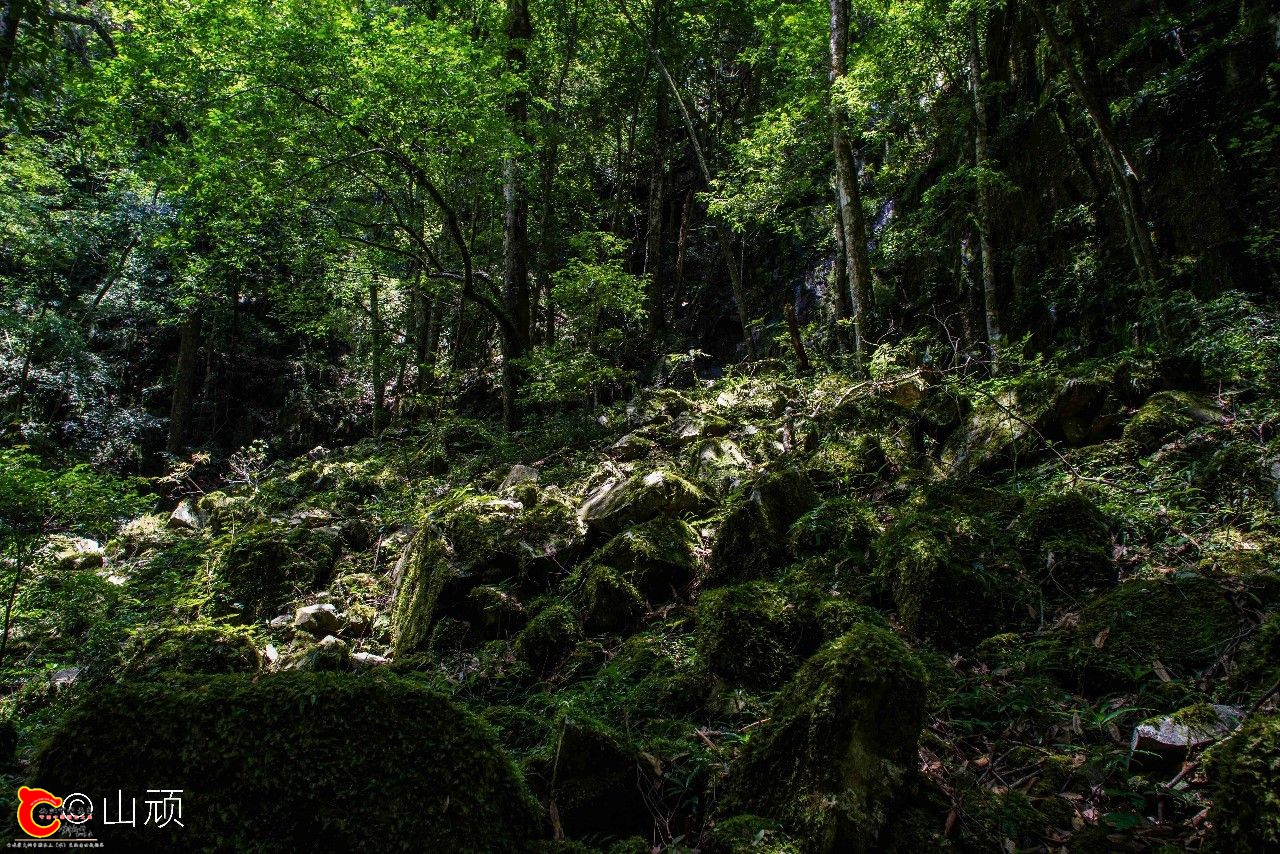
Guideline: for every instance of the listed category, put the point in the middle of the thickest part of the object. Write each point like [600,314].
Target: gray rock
[368,661]
[281,622]
[618,504]
[76,553]
[520,474]
[631,447]
[65,677]
[521,484]
[1164,742]
[187,517]
[312,517]
[319,619]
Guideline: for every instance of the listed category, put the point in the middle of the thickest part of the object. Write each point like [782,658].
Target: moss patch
[1245,776]
[265,565]
[202,648]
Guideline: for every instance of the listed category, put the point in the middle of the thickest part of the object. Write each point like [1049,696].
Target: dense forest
[640,425]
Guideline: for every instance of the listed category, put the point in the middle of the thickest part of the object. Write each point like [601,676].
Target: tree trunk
[677,286]
[981,159]
[515,230]
[11,12]
[797,343]
[653,236]
[375,355]
[185,382]
[854,226]
[1124,176]
[840,286]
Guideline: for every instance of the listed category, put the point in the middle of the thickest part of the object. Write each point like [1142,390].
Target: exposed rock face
[282,758]
[840,747]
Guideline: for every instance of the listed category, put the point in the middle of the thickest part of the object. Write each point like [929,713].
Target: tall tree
[981,162]
[849,194]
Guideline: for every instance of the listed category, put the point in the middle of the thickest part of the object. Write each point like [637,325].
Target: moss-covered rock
[1244,773]
[840,747]
[1000,428]
[587,769]
[655,674]
[752,536]
[841,527]
[1083,412]
[1182,622]
[497,611]
[423,573]
[468,541]
[611,602]
[620,504]
[751,834]
[750,634]
[1167,415]
[265,565]
[200,648]
[1066,545]
[656,557]
[1258,668]
[548,639]
[856,462]
[720,463]
[948,574]
[295,761]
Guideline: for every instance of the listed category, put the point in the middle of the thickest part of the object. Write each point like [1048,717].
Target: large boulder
[469,541]
[656,556]
[1184,623]
[752,537]
[749,634]
[839,750]
[1168,415]
[1000,427]
[294,762]
[948,571]
[1066,544]
[265,565]
[619,503]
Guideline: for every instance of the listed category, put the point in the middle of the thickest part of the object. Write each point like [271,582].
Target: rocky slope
[763,613]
